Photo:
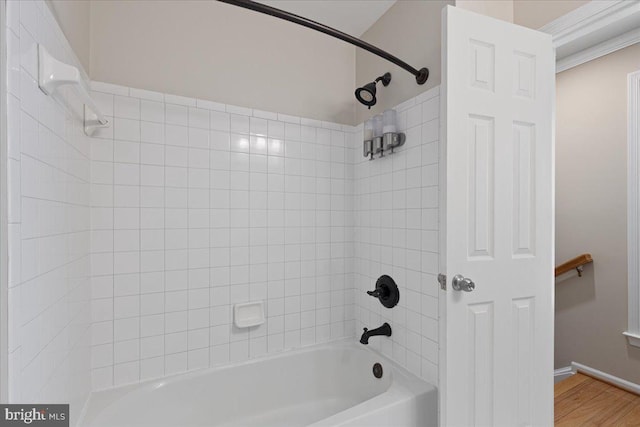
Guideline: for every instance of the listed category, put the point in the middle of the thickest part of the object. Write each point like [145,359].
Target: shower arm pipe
[421,75]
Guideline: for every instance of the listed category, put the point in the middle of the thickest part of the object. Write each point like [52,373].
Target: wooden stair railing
[576,263]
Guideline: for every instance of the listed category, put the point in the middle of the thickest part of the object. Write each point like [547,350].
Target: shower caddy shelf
[53,73]
[576,263]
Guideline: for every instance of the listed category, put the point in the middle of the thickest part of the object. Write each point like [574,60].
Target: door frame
[633,209]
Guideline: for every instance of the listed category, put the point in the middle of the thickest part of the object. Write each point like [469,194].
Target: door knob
[461,283]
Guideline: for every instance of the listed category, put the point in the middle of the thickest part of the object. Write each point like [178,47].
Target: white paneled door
[498,208]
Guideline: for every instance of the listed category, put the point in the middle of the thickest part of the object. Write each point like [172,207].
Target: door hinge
[442,279]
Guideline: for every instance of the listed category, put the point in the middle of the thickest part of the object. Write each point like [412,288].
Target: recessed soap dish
[248,314]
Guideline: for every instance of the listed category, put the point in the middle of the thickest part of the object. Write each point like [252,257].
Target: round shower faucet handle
[386,291]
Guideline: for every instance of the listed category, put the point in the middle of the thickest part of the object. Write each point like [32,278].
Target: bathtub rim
[402,381]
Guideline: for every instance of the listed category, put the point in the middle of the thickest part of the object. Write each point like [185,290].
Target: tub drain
[377,370]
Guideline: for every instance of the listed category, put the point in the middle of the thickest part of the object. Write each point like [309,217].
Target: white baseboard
[618,382]
[563,373]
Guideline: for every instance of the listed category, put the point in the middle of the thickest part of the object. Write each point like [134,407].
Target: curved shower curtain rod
[421,75]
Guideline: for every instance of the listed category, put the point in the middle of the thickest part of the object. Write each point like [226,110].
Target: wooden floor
[583,401]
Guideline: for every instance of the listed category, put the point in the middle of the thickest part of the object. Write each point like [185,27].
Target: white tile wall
[196,206]
[49,222]
[184,207]
[396,233]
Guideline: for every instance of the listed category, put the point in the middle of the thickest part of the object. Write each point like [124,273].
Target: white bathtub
[325,385]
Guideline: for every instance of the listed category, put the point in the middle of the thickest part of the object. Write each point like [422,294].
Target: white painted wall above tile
[219,52]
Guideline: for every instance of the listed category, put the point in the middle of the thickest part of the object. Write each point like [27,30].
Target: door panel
[497,125]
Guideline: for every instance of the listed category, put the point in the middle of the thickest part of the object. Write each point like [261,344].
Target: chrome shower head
[366,94]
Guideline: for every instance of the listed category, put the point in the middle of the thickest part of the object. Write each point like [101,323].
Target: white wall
[209,50]
[197,206]
[48,192]
[396,233]
[74,18]
[499,9]
[529,13]
[229,58]
[536,13]
[222,53]
[411,31]
[214,51]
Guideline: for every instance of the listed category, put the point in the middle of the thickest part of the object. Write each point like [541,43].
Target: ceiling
[350,16]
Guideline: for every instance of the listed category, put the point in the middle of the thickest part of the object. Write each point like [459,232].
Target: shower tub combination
[326,385]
